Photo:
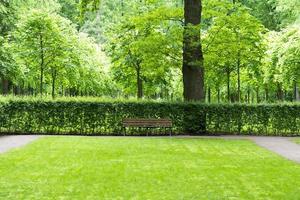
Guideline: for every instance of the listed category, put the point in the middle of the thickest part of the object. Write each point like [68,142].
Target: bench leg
[124,131]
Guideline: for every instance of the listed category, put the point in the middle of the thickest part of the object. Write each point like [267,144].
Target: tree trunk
[257,95]
[296,92]
[228,84]
[62,90]
[122,8]
[218,93]
[192,69]
[285,95]
[16,90]
[279,92]
[239,78]
[267,94]
[41,64]
[248,96]
[5,86]
[139,82]
[54,75]
[192,66]
[209,95]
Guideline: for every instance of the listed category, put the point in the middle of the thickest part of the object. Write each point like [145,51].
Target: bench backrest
[164,123]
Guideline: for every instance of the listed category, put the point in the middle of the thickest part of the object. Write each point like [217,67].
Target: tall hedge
[105,118]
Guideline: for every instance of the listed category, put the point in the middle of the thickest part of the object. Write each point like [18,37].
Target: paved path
[10,142]
[280,145]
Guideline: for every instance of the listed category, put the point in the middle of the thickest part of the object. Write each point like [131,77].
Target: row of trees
[43,53]
[221,51]
[148,38]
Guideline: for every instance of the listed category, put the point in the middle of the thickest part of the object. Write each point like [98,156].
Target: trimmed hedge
[104,118]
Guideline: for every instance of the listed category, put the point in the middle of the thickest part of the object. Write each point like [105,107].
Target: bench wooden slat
[147,123]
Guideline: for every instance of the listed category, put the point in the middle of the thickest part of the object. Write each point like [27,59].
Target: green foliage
[7,20]
[69,9]
[7,17]
[87,5]
[152,41]
[52,52]
[289,55]
[233,48]
[104,117]
[117,48]
[281,64]
[289,11]
[6,59]
[265,11]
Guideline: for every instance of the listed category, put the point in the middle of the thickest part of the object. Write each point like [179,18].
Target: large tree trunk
[193,71]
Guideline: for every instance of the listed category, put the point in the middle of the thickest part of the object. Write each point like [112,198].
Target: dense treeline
[250,49]
[44,53]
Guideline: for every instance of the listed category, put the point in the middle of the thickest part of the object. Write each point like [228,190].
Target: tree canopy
[231,51]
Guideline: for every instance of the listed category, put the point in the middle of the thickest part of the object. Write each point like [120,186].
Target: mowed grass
[146,168]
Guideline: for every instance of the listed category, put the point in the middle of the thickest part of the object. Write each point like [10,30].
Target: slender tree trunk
[41,64]
[218,93]
[122,7]
[54,75]
[41,81]
[139,82]
[285,95]
[279,92]
[239,77]
[192,69]
[257,95]
[5,86]
[296,92]
[209,95]
[62,90]
[267,94]
[228,84]
[248,96]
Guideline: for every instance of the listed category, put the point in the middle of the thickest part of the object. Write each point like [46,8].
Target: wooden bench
[148,123]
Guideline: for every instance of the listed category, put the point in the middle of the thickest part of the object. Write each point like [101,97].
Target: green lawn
[146,168]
